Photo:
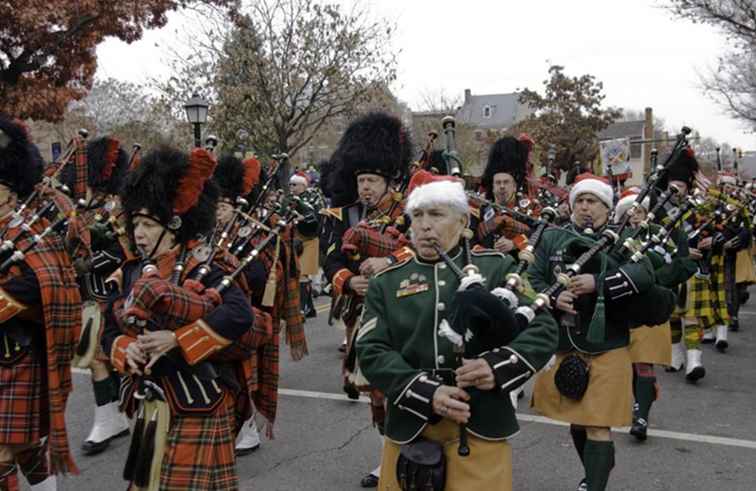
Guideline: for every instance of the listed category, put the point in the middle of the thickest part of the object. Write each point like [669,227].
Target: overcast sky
[642,55]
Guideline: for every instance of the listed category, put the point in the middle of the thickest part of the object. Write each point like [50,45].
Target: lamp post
[196,113]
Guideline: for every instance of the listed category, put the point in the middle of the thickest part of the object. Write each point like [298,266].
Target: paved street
[704,437]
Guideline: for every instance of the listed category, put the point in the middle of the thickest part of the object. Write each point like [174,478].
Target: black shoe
[734,325]
[696,374]
[240,452]
[639,429]
[369,481]
[311,313]
[351,391]
[94,448]
[342,348]
[583,486]
[722,345]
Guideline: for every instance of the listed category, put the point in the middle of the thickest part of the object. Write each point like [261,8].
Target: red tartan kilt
[368,242]
[24,402]
[199,451]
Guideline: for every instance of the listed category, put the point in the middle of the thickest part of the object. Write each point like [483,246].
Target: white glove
[470,280]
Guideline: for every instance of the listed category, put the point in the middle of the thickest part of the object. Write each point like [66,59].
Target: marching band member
[299,185]
[173,337]
[652,345]
[590,385]
[107,165]
[504,175]
[374,150]
[429,391]
[40,317]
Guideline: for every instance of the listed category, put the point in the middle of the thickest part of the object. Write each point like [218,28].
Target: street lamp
[196,113]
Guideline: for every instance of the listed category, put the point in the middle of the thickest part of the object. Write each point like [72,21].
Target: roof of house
[504,109]
[622,129]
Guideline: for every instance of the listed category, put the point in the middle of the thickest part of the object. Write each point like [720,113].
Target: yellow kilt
[607,401]
[489,465]
[744,271]
[651,344]
[308,261]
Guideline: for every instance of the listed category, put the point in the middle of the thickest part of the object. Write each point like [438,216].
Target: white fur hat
[597,186]
[626,201]
[441,190]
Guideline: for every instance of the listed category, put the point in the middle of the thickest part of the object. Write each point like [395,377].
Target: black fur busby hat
[376,143]
[20,161]
[236,177]
[683,168]
[107,164]
[176,189]
[508,155]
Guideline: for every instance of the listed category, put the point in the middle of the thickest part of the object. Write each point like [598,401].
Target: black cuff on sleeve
[510,369]
[619,285]
[417,397]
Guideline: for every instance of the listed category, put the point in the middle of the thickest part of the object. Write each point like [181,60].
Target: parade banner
[615,158]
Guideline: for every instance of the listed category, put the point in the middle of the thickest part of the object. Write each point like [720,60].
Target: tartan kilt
[199,451]
[24,404]
[700,301]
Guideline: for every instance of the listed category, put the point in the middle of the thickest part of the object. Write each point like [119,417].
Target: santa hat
[595,185]
[627,198]
[426,189]
[299,177]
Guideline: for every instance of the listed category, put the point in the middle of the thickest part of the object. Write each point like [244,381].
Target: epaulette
[397,265]
[332,212]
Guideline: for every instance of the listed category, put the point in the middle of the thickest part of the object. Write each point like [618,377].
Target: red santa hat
[426,189]
[595,185]
[299,177]
[627,198]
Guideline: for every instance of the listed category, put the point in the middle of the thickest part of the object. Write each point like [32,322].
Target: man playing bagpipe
[504,175]
[650,345]
[40,316]
[440,337]
[306,239]
[106,167]
[179,329]
[372,154]
[596,300]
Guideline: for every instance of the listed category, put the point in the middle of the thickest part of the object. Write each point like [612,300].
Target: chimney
[468,95]
[648,134]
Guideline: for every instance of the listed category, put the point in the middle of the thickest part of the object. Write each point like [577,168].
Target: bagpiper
[306,238]
[41,318]
[176,329]
[439,339]
[365,226]
[106,167]
[503,182]
[590,383]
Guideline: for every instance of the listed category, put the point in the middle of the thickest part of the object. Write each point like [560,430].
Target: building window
[487,111]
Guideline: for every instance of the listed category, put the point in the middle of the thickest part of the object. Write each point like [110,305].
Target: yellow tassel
[269,296]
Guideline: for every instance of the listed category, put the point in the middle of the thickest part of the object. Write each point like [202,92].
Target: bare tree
[733,82]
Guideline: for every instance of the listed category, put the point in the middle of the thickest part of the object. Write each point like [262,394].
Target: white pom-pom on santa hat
[592,184]
[299,178]
[427,190]
[627,198]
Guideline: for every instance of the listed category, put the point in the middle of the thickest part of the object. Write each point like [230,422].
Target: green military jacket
[400,350]
[626,289]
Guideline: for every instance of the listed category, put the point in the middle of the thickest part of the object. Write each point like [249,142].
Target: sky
[643,56]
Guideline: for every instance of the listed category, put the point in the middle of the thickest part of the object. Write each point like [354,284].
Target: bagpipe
[523,213]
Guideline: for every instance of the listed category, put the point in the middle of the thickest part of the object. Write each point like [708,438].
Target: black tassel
[83,345]
[144,462]
[136,442]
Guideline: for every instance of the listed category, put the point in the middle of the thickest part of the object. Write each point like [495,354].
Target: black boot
[598,462]
[645,393]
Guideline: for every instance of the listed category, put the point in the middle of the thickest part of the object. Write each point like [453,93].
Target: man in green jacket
[595,312]
[406,350]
